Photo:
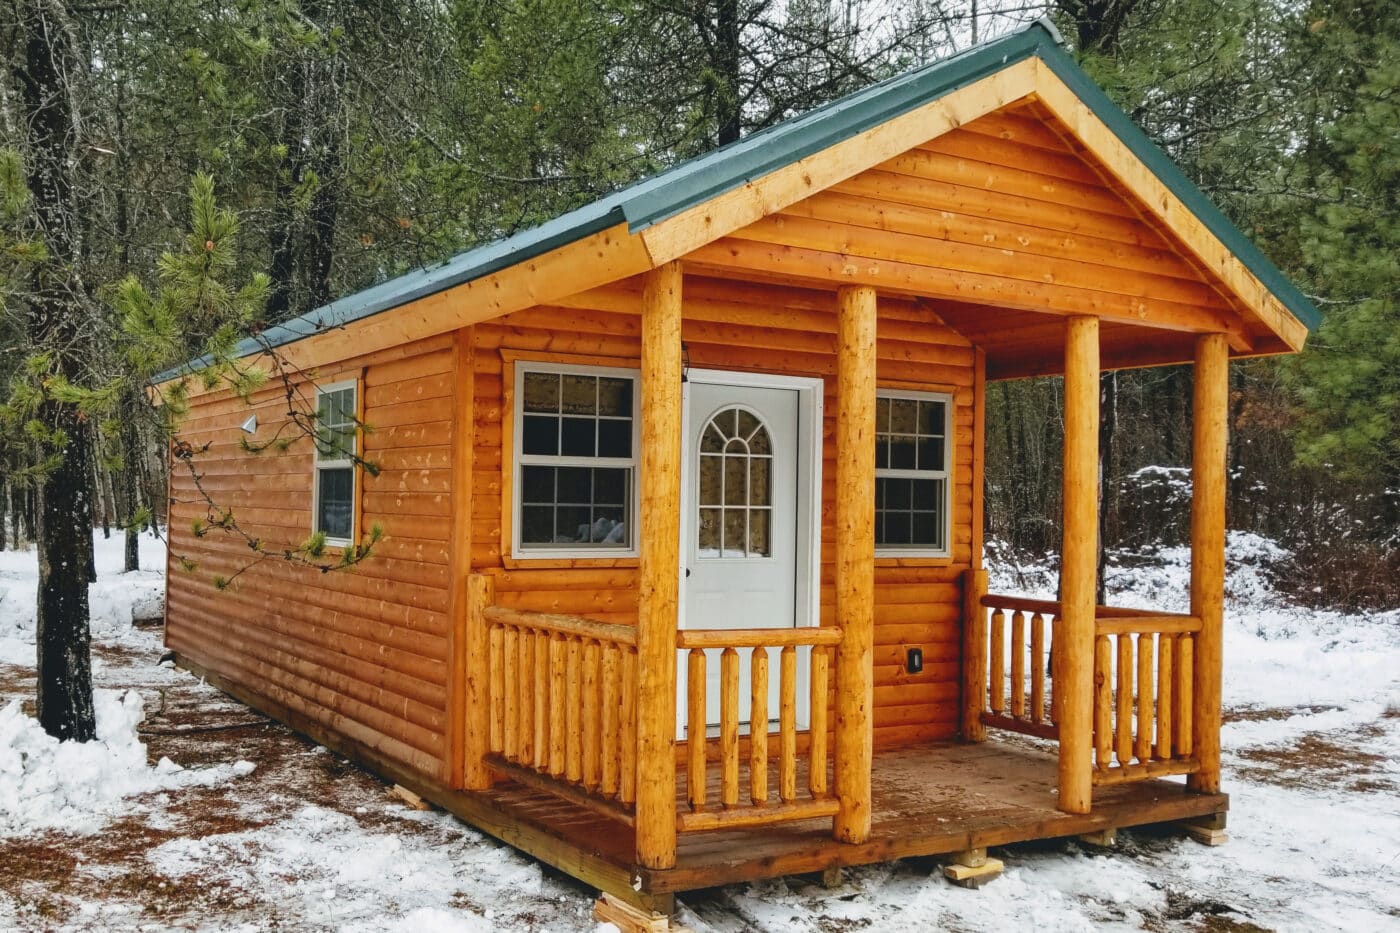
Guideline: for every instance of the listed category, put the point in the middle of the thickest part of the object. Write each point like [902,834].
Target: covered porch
[574,727]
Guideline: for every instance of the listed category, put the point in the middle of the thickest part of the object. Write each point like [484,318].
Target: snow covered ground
[212,817]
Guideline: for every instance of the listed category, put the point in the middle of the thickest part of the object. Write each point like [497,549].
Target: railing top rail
[1052,607]
[1147,625]
[562,624]
[756,637]
[1021,604]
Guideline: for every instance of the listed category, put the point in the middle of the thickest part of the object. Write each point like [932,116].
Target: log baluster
[758,727]
[573,737]
[1144,699]
[1018,665]
[729,727]
[816,751]
[695,685]
[526,704]
[497,689]
[787,724]
[996,678]
[543,681]
[592,714]
[612,736]
[1164,696]
[1103,703]
[511,655]
[558,702]
[1037,667]
[1185,678]
[1123,718]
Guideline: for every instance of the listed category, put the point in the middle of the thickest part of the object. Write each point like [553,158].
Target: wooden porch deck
[928,800]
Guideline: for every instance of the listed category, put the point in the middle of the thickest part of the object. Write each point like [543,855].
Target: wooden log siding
[755,327]
[990,213]
[1144,664]
[363,653]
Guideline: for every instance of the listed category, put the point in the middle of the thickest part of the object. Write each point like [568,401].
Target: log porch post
[855,558]
[974,648]
[1210,433]
[480,592]
[659,566]
[1074,644]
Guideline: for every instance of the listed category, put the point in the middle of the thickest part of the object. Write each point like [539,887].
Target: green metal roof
[693,182]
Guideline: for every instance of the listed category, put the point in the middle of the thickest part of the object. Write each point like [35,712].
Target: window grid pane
[335,501]
[574,506]
[335,424]
[734,487]
[569,421]
[910,440]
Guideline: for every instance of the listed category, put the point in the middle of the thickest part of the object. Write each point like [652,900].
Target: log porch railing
[1143,678]
[562,706]
[555,708]
[761,805]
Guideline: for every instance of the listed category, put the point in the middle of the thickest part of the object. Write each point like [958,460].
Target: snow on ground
[113,600]
[74,786]
[309,841]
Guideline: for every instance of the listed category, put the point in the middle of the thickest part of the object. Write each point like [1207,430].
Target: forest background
[175,173]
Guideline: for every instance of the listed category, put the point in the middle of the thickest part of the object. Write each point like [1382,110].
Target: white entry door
[741,558]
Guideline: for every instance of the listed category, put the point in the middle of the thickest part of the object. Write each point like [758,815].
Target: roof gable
[666,215]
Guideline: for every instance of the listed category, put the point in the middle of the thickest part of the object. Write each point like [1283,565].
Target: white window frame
[320,464]
[946,474]
[519,461]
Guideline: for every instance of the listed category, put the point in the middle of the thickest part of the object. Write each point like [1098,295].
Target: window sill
[566,561]
[913,560]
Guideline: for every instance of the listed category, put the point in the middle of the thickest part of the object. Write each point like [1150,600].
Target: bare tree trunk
[46,65]
[87,502]
[102,498]
[127,484]
[17,513]
[1108,473]
[727,66]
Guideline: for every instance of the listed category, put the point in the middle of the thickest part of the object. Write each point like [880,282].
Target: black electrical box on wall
[914,661]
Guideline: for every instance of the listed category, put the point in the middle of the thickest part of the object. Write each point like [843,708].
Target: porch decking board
[929,799]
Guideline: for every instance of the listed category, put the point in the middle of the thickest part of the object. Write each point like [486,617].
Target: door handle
[687,573]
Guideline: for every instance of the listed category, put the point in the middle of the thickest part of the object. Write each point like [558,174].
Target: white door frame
[807,598]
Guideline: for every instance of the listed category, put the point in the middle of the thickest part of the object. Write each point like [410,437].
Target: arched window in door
[736,486]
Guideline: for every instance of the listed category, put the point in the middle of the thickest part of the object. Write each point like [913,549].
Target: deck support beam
[1074,657]
[855,558]
[1210,434]
[659,573]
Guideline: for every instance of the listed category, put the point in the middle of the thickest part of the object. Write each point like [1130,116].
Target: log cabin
[681,580]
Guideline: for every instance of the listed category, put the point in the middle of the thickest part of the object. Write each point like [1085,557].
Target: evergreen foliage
[1349,381]
[353,141]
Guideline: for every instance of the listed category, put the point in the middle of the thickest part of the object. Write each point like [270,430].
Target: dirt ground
[107,880]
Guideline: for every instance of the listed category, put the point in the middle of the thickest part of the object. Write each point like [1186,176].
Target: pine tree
[1349,380]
